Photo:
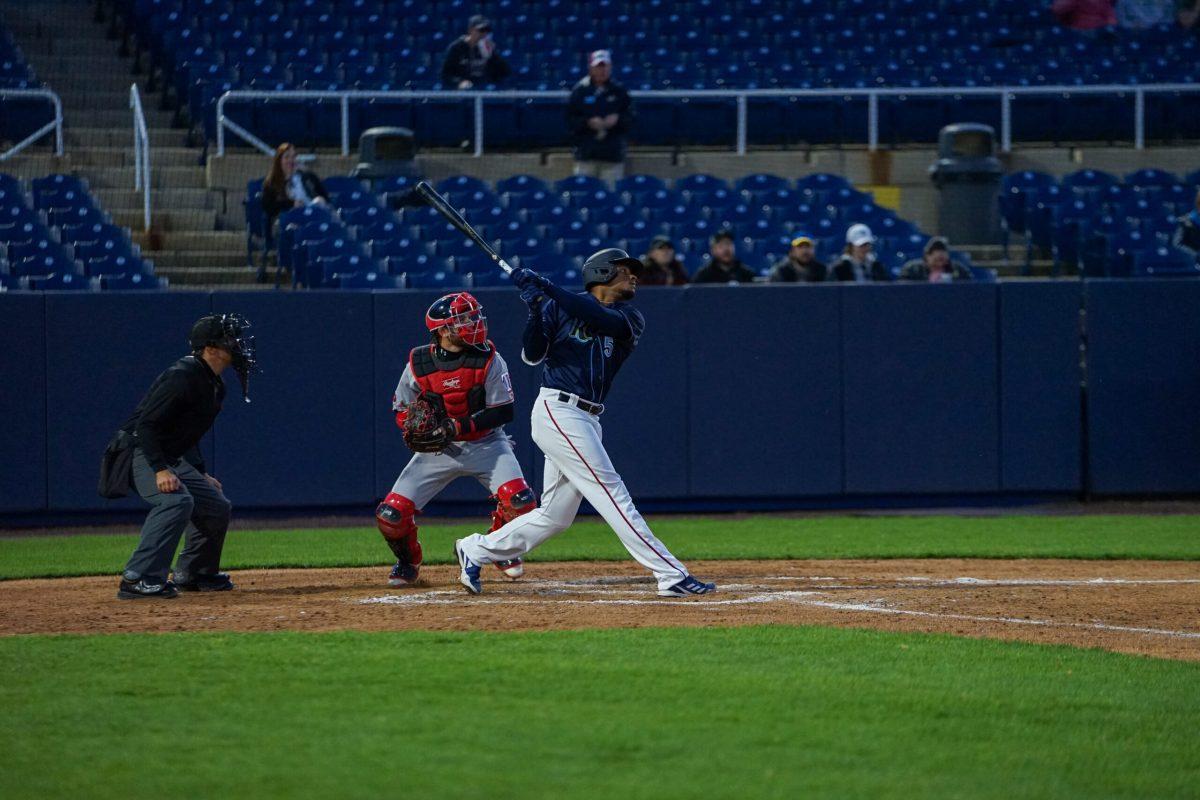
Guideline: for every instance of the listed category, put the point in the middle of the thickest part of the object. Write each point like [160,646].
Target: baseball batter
[452,402]
[583,339]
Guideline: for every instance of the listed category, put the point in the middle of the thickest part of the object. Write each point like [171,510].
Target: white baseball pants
[577,466]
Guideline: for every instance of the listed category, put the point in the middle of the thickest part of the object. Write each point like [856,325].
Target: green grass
[768,712]
[763,537]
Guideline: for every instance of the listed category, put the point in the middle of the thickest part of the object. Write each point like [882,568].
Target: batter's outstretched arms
[600,318]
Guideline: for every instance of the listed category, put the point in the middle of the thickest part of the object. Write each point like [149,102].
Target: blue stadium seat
[116,264]
[132,281]
[700,183]
[104,248]
[48,264]
[640,184]
[521,184]
[760,182]
[1156,178]
[370,280]
[1088,180]
[485,276]
[62,282]
[436,280]
[365,216]
[331,268]
[579,186]
[462,183]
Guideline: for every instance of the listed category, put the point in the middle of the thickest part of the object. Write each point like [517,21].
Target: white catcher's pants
[577,466]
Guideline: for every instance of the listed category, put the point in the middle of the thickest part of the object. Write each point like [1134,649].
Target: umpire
[157,450]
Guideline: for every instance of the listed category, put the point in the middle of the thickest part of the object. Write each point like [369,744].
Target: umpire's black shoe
[141,590]
[204,583]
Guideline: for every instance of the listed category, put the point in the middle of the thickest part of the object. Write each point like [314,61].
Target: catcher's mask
[460,314]
[228,332]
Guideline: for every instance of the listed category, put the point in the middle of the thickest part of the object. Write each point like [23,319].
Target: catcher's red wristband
[401,415]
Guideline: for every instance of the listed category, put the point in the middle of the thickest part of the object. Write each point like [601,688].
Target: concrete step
[195,219]
[101,82]
[87,61]
[160,157]
[168,199]
[198,241]
[99,100]
[115,118]
[164,178]
[200,259]
[76,136]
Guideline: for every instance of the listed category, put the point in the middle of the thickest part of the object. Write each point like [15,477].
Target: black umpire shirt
[175,414]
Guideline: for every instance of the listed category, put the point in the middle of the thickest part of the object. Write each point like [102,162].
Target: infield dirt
[1141,607]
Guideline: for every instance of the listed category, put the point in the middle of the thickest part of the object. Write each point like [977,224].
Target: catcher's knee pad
[512,500]
[396,518]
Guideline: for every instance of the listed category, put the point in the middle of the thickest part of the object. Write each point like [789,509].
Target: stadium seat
[115,265]
[436,280]
[521,184]
[700,183]
[63,281]
[132,281]
[1156,178]
[370,280]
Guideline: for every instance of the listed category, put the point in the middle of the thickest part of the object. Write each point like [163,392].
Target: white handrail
[55,125]
[1003,94]
[141,152]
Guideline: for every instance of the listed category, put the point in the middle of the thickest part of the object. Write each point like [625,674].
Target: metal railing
[141,152]
[1004,97]
[55,125]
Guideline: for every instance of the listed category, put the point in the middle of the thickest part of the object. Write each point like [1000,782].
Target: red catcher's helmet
[461,314]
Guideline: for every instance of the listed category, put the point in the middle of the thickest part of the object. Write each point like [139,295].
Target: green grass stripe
[759,537]
[767,712]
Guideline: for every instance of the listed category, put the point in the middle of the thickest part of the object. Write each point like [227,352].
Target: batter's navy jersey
[580,362]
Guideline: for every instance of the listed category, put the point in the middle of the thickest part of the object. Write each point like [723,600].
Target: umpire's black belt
[591,408]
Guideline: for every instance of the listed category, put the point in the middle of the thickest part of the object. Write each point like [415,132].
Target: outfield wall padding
[765,392]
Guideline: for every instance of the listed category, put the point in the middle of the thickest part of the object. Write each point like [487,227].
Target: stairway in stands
[72,53]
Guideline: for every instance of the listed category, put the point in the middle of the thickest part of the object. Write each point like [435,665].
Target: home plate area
[1144,607]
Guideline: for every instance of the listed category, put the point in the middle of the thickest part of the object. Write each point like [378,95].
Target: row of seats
[211,46]
[1098,224]
[551,228]
[19,117]
[54,235]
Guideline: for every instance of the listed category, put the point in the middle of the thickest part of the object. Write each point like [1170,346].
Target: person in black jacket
[725,266]
[473,58]
[935,265]
[599,113]
[169,471]
[801,264]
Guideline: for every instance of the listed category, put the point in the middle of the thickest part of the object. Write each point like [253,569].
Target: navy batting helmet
[602,266]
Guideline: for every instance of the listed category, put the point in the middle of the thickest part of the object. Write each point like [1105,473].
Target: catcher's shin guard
[512,500]
[396,517]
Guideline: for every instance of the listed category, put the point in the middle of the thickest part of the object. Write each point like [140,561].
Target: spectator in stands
[1085,15]
[801,265]
[724,267]
[1188,13]
[1142,14]
[287,186]
[858,263]
[660,267]
[1187,234]
[598,115]
[473,58]
[935,266]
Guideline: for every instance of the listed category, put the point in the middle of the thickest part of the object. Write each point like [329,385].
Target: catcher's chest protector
[457,385]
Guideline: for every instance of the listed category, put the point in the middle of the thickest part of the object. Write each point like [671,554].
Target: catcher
[451,403]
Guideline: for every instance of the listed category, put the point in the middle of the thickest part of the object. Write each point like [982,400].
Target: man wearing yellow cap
[801,265]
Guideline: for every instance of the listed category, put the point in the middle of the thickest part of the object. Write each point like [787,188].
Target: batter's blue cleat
[468,572]
[688,587]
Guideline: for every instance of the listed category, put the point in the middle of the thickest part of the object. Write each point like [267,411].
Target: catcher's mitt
[426,427]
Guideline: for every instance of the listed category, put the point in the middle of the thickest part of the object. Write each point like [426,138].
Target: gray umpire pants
[197,502]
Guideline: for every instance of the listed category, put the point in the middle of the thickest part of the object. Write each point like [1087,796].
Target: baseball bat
[435,200]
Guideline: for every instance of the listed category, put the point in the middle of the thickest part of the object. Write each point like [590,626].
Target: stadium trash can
[967,176]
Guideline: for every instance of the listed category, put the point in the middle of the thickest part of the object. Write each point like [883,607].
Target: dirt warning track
[1143,607]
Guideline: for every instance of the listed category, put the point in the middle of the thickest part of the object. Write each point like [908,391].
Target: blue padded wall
[1040,414]
[764,391]
[1144,386]
[920,388]
[648,411]
[23,403]
[102,353]
[303,440]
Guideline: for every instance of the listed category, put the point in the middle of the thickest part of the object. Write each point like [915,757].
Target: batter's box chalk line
[559,593]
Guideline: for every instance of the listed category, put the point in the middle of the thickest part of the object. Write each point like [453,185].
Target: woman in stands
[857,263]
[287,186]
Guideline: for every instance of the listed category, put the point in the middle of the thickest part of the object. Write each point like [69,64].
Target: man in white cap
[598,115]
[858,264]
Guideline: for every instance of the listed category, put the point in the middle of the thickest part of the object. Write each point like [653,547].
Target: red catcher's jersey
[458,384]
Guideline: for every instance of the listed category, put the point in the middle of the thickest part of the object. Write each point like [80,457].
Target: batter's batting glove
[532,296]
[527,278]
